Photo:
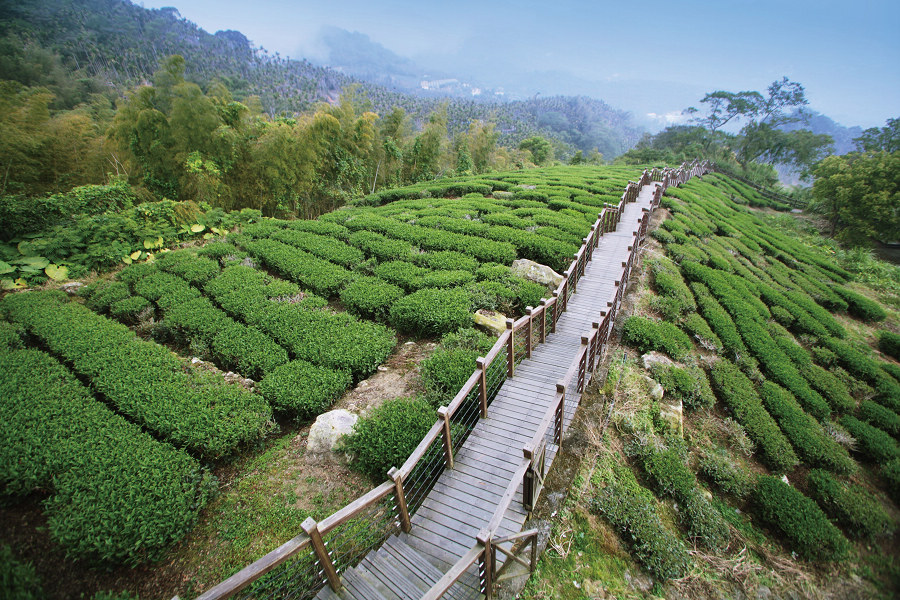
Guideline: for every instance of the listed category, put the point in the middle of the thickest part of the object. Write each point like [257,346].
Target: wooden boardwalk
[463,500]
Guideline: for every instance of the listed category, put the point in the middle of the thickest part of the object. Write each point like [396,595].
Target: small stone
[409,343]
[533,271]
[248,262]
[672,413]
[652,358]
[383,368]
[362,384]
[763,592]
[71,287]
[657,391]
[195,361]
[785,479]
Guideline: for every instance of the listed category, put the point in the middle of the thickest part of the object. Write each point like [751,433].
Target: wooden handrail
[467,387]
[417,454]
[373,496]
[456,571]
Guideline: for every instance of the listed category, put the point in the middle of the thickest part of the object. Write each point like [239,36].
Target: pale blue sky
[845,53]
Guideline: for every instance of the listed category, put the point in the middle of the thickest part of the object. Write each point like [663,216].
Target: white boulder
[325,435]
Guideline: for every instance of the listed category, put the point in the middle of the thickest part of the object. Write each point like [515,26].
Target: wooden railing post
[487,562]
[555,312]
[544,320]
[482,386]
[529,479]
[312,530]
[510,348]
[560,413]
[583,367]
[405,523]
[528,335]
[444,415]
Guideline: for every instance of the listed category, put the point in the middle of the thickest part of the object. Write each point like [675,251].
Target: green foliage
[880,417]
[736,391]
[647,335]
[370,297]
[18,579]
[117,495]
[866,369]
[861,307]
[632,510]
[387,436]
[453,362]
[106,294]
[809,440]
[316,274]
[798,520]
[890,472]
[700,331]
[129,310]
[431,312]
[858,511]
[889,343]
[143,380]
[676,298]
[690,385]
[302,389]
[322,246]
[671,477]
[720,468]
[877,445]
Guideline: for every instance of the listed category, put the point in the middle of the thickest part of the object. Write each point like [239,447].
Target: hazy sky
[846,53]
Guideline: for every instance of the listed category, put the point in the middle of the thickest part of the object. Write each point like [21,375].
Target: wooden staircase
[397,571]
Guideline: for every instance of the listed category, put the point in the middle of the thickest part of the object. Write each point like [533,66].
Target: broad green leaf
[57,272]
[29,269]
[149,244]
[135,255]
[127,260]
[38,262]
[208,236]
[197,228]
[6,268]
[26,248]
[9,284]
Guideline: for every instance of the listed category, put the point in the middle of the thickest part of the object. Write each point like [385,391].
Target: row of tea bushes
[143,380]
[117,495]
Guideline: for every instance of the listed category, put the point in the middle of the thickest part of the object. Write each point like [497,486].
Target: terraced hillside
[756,453]
[298,311]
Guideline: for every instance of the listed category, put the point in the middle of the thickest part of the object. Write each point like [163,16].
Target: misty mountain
[819,123]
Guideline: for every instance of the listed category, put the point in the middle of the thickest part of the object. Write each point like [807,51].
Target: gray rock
[672,413]
[652,358]
[325,435]
[494,322]
[536,272]
[763,592]
[656,390]
[71,287]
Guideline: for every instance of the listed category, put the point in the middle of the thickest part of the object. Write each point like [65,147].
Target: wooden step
[355,587]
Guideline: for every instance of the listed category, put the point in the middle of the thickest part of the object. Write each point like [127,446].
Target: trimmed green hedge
[871,441]
[303,389]
[431,312]
[690,385]
[143,380]
[370,297]
[319,275]
[799,520]
[812,444]
[737,392]
[647,335]
[880,417]
[387,436]
[117,495]
[858,511]
[322,246]
[671,477]
[889,343]
[632,510]
[730,477]
[861,307]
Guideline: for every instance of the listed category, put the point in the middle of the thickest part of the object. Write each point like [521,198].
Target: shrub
[861,307]
[880,417]
[446,261]
[632,510]
[890,472]
[721,323]
[889,343]
[492,272]
[736,391]
[860,513]
[810,441]
[129,310]
[729,476]
[117,495]
[18,579]
[873,442]
[143,380]
[381,247]
[320,276]
[647,335]
[107,294]
[697,327]
[370,297]
[798,520]
[302,389]
[865,368]
[677,298]
[445,371]
[190,267]
[403,274]
[444,279]
[690,385]
[387,436]
[322,246]
[432,311]
[672,477]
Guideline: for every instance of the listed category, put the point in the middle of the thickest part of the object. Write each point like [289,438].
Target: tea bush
[387,436]
[431,312]
[871,441]
[647,335]
[302,389]
[370,297]
[799,520]
[858,511]
[861,307]
[889,343]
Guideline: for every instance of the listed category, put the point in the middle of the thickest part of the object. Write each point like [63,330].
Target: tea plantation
[108,421]
[781,475]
